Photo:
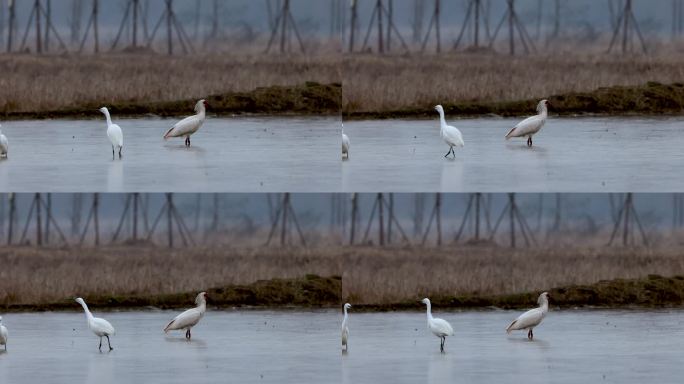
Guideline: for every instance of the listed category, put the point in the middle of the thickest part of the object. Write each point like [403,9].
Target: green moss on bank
[306,99]
[649,99]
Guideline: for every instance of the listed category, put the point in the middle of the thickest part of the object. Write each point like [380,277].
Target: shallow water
[294,347]
[227,155]
[569,155]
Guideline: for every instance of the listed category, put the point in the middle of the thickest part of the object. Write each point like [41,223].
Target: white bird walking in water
[345,328]
[189,318]
[439,327]
[532,318]
[100,327]
[114,133]
[531,125]
[451,135]
[3,334]
[345,144]
[4,144]
[189,125]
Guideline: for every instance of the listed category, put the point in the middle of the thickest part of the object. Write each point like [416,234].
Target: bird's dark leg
[120,148]
[112,152]
[453,152]
[100,343]
[530,335]
[529,141]
[109,343]
[441,345]
[188,335]
[447,155]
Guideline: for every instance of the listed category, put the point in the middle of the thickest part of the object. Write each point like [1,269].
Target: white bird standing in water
[3,334]
[451,135]
[189,125]
[531,125]
[100,327]
[345,328]
[4,144]
[439,327]
[345,144]
[189,318]
[114,133]
[532,318]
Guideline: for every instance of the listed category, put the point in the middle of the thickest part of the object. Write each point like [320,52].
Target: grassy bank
[648,99]
[371,278]
[473,84]
[41,84]
[307,99]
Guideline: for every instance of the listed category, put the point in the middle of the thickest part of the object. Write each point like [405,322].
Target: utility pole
[627,216]
[434,22]
[11,27]
[352,28]
[284,23]
[376,19]
[92,23]
[626,25]
[436,217]
[287,213]
[48,22]
[76,13]
[514,24]
[172,25]
[132,7]
[12,217]
[474,15]
[515,216]
[354,215]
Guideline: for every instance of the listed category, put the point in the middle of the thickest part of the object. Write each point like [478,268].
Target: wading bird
[4,144]
[100,327]
[189,318]
[345,328]
[345,144]
[189,125]
[532,318]
[3,334]
[451,135]
[531,125]
[439,327]
[114,133]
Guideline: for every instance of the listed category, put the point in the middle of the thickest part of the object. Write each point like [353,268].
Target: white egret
[3,334]
[531,125]
[114,133]
[189,125]
[4,144]
[345,328]
[451,135]
[345,144]
[189,318]
[100,327]
[439,327]
[532,318]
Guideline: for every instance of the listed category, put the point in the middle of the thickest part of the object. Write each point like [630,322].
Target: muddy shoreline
[650,99]
[307,99]
[311,292]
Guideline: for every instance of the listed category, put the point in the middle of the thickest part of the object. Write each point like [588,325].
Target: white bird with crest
[190,318]
[189,125]
[531,125]
[532,318]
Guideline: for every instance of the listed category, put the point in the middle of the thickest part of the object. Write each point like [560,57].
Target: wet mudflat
[304,346]
[569,155]
[227,155]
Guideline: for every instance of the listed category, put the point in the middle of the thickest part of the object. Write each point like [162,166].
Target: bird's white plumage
[189,318]
[4,334]
[189,125]
[345,326]
[531,125]
[531,318]
[100,327]
[450,134]
[345,143]
[4,144]
[439,327]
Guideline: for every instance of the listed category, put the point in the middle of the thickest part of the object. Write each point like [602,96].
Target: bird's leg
[529,141]
[441,345]
[109,343]
[112,152]
[100,343]
[530,335]
[120,148]
[188,335]
[453,152]
[447,155]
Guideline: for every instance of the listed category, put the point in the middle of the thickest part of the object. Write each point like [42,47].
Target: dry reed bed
[34,276]
[35,83]
[369,275]
[373,276]
[376,83]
